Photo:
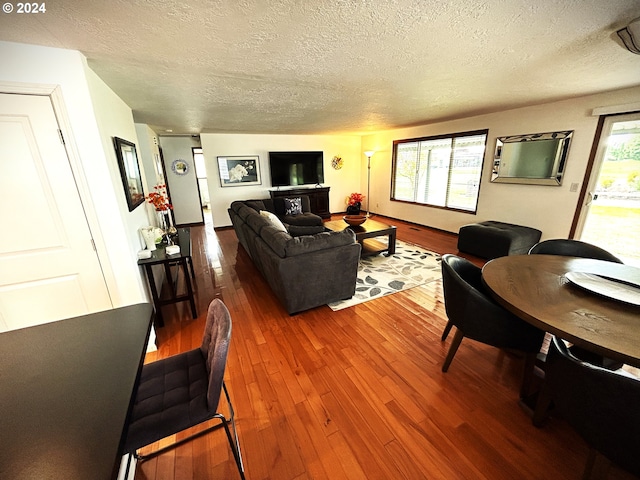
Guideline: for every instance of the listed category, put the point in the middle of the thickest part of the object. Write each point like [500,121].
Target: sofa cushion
[244,212]
[321,241]
[257,222]
[256,204]
[299,230]
[279,205]
[236,204]
[305,219]
[293,206]
[276,239]
[275,221]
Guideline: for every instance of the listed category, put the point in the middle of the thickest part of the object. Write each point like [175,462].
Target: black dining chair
[184,390]
[572,248]
[577,248]
[476,316]
[601,405]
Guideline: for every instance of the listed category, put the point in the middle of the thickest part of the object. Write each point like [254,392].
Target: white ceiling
[336,66]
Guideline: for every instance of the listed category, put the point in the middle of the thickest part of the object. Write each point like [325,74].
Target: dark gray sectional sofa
[304,271]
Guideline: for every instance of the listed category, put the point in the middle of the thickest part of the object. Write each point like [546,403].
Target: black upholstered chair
[577,248]
[184,390]
[572,248]
[476,316]
[601,405]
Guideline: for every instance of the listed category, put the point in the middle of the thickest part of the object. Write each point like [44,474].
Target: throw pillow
[275,221]
[293,206]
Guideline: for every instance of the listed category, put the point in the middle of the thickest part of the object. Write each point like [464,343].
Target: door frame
[54,92]
[591,173]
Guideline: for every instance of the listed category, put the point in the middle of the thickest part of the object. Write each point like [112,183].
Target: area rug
[380,275]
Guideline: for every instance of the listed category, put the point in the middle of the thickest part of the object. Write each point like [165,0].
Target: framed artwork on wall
[239,171]
[129,172]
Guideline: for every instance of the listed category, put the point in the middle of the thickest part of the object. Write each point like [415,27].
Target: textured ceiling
[314,66]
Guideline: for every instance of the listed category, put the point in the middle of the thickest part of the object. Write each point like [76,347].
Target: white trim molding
[615,109]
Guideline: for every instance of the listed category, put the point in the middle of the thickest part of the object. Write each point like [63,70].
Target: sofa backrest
[319,241]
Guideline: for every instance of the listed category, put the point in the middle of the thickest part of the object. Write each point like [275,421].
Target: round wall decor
[179,167]
[337,162]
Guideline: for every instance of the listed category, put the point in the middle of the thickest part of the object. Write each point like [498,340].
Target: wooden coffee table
[366,234]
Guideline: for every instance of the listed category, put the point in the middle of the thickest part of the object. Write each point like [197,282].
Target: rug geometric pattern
[379,275]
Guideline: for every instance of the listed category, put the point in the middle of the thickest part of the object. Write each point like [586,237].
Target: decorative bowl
[355,220]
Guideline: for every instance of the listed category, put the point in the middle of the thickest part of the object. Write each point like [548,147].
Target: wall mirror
[536,159]
[129,171]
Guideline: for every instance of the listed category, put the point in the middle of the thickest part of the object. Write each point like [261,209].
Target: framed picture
[129,171]
[239,171]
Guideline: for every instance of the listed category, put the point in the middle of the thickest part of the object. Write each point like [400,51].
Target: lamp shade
[369,153]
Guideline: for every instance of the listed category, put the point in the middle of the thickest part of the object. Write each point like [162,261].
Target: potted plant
[354,203]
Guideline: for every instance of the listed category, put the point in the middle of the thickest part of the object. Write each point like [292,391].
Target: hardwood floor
[358,393]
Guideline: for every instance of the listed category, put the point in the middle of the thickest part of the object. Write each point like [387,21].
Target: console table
[67,388]
[182,259]
[318,198]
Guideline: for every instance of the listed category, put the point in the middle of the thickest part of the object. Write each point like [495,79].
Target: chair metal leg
[446,331]
[452,349]
[234,442]
[143,458]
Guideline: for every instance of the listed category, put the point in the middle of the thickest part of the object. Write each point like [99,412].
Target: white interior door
[49,269]
[610,216]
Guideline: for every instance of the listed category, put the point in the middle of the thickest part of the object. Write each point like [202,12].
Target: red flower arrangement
[355,198]
[159,199]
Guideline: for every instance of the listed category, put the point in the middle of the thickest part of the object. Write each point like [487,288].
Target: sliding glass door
[610,215]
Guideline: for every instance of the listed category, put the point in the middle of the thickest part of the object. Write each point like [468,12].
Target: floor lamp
[369,154]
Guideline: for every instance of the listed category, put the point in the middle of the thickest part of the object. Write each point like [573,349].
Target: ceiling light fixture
[630,36]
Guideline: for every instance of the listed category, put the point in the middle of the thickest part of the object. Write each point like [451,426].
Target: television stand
[318,198]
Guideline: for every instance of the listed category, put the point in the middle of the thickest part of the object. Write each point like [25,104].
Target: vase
[354,209]
[163,220]
[150,236]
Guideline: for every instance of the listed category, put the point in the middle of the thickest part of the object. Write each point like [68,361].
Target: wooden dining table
[536,289]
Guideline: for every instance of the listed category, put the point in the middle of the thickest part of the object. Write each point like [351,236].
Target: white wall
[342,182]
[115,119]
[149,156]
[548,208]
[187,208]
[87,102]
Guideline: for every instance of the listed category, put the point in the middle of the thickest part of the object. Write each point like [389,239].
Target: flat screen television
[296,168]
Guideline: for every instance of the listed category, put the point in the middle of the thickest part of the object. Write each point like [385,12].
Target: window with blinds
[442,171]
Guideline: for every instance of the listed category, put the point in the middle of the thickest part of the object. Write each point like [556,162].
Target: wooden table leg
[154,294]
[392,243]
[193,273]
[194,312]
[169,277]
